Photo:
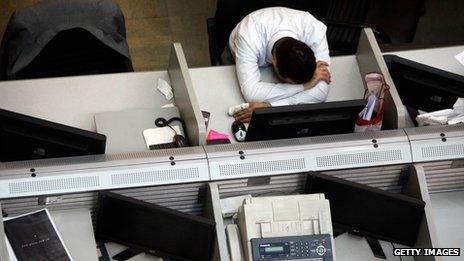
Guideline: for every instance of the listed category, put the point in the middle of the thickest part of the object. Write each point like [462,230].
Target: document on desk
[371,102]
[33,236]
[460,58]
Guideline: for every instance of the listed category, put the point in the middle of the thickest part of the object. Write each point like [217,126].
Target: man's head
[293,60]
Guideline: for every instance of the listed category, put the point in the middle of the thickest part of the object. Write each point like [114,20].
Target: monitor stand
[126,254]
[373,243]
[376,248]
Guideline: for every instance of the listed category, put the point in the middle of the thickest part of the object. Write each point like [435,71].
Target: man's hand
[245,115]
[320,74]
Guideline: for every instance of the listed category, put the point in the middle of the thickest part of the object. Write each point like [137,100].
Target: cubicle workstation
[439,150]
[217,89]
[75,214]
[125,105]
[406,179]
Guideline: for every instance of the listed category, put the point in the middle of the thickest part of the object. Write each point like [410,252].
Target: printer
[294,227]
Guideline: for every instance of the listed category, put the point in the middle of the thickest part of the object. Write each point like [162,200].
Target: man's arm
[249,77]
[317,94]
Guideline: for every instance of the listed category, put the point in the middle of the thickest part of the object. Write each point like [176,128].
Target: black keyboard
[163,146]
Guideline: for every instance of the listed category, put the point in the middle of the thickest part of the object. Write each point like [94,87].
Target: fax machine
[296,227]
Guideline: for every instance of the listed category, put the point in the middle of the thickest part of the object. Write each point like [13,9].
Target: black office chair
[64,38]
[344,19]
[398,18]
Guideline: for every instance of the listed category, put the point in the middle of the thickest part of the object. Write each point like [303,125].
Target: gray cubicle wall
[3,248]
[276,157]
[91,173]
[370,59]
[185,97]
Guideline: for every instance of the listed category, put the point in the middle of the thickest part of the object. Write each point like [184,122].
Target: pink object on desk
[214,135]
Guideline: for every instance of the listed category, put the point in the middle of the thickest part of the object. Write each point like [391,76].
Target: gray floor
[442,23]
[152,25]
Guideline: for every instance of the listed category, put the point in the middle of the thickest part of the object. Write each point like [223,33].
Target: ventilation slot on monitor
[141,177]
[263,167]
[443,151]
[53,185]
[359,158]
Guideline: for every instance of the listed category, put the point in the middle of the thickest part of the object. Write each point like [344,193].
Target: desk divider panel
[275,157]
[443,176]
[370,59]
[432,143]
[3,249]
[417,187]
[72,175]
[186,100]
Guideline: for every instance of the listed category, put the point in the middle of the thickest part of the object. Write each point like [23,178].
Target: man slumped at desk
[295,43]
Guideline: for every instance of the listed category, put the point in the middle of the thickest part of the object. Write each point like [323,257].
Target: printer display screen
[274,249]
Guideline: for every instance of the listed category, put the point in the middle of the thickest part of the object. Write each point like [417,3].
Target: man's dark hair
[295,60]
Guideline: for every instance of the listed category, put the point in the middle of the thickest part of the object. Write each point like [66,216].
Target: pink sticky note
[214,135]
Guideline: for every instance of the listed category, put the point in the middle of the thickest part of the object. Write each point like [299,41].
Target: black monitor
[368,211]
[27,138]
[154,229]
[422,87]
[304,120]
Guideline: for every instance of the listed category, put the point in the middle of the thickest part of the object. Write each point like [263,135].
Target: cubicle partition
[370,59]
[308,154]
[185,97]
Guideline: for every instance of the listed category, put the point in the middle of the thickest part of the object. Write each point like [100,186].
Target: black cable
[162,122]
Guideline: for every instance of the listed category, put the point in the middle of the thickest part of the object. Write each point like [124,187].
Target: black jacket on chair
[65,37]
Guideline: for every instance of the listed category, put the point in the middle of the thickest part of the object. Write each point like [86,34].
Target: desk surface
[75,227]
[74,101]
[217,88]
[441,58]
[448,212]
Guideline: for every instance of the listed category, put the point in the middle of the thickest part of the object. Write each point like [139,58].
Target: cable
[162,122]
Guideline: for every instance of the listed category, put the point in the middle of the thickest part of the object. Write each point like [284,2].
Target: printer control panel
[310,248]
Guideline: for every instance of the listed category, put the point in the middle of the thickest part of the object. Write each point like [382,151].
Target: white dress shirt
[251,44]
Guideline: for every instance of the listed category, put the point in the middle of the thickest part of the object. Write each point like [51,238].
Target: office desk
[76,230]
[217,88]
[448,211]
[74,101]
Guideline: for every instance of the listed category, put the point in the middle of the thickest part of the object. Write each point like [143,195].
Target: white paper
[371,101]
[165,89]
[460,58]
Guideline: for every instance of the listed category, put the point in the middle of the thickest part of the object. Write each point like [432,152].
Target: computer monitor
[423,87]
[304,120]
[27,138]
[154,229]
[368,211]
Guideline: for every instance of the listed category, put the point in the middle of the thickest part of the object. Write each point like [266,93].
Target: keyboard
[162,146]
